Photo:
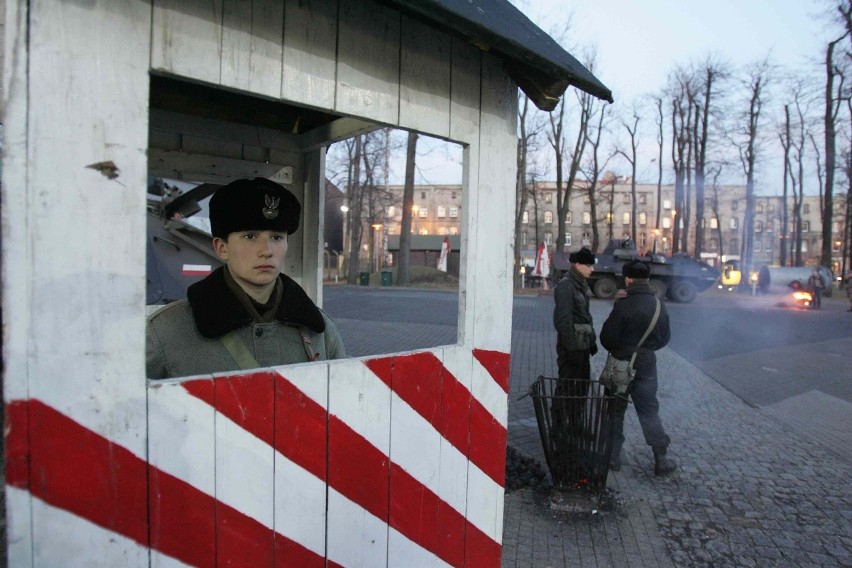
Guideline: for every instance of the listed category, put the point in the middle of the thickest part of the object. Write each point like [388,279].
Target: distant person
[630,318]
[245,314]
[816,286]
[575,344]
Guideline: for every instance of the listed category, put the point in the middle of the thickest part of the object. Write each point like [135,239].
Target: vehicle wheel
[683,291]
[658,287]
[605,288]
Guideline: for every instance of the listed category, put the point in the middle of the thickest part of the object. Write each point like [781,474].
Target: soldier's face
[585,269]
[254,258]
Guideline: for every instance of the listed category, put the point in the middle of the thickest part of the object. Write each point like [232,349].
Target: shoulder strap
[239,351]
[309,345]
[647,331]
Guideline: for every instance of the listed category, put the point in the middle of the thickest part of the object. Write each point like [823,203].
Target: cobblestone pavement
[753,489]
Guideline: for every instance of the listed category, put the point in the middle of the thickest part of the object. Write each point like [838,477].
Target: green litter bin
[387,278]
[365,279]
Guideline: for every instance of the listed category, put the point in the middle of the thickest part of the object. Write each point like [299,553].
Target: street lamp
[377,244]
[344,209]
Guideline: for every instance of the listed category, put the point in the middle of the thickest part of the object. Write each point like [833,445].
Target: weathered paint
[376,462]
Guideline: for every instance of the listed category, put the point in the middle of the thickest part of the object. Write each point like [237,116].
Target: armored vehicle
[678,277]
[180,250]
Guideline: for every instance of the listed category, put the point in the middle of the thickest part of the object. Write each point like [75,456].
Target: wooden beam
[334,132]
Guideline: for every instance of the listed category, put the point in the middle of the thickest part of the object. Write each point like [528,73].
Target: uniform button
[258,332]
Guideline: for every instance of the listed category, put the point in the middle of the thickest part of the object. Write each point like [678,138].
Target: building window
[758,208]
[804,246]
[769,225]
[454,212]
[626,199]
[806,226]
[609,218]
[665,244]
[443,231]
[442,211]
[423,212]
[713,245]
[757,246]
[567,239]
[758,226]
[667,203]
[771,208]
[548,238]
[667,222]
[714,223]
[525,219]
[806,208]
[625,219]
[568,217]
[422,195]
[642,240]
[734,245]
[548,197]
[453,195]
[424,231]
[836,245]
[734,205]
[587,239]
[643,199]
[454,230]
[587,218]
[548,217]
[643,218]
[734,223]
[769,246]
[524,237]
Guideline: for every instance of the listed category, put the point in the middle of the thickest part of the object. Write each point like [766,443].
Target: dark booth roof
[539,65]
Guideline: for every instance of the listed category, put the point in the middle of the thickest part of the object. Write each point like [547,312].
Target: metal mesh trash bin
[575,422]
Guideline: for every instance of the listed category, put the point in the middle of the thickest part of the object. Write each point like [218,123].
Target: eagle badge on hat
[271,209]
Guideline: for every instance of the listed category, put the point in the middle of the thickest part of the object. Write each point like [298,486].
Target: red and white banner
[542,262]
[445,252]
[399,463]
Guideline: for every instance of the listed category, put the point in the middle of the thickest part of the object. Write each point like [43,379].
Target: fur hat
[636,269]
[253,205]
[582,256]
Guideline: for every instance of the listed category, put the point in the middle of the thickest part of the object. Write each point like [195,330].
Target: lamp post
[377,246]
[344,209]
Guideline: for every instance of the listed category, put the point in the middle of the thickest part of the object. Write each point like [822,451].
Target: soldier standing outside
[816,286]
[630,318]
[246,314]
[575,344]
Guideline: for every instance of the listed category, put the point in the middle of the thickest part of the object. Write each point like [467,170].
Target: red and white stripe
[391,461]
[196,269]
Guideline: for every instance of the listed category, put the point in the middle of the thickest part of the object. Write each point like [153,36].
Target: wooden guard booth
[388,461]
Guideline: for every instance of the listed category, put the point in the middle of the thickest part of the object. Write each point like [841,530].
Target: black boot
[662,464]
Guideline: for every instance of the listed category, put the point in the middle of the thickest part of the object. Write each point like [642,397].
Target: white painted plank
[210,128]
[404,552]
[181,444]
[495,202]
[310,48]
[244,456]
[252,45]
[313,224]
[300,496]
[362,402]
[464,127]
[187,38]
[368,61]
[87,318]
[73,541]
[19,542]
[355,537]
[189,166]
[454,464]
[424,94]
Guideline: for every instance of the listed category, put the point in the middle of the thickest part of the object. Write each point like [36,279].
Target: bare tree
[833,98]
[680,119]
[785,144]
[355,196]
[658,101]
[404,271]
[711,73]
[748,143]
[632,129]
[528,132]
[593,173]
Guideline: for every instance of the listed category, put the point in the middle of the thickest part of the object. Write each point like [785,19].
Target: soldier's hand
[622,293]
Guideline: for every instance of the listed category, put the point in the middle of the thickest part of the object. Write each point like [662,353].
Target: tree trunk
[404,271]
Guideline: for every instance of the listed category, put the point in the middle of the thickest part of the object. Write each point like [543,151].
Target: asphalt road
[759,348]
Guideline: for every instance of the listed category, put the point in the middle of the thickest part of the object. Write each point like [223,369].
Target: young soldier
[245,314]
[622,331]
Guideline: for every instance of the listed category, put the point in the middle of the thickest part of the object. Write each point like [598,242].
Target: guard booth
[386,461]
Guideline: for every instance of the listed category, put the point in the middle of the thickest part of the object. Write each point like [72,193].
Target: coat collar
[217,311]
